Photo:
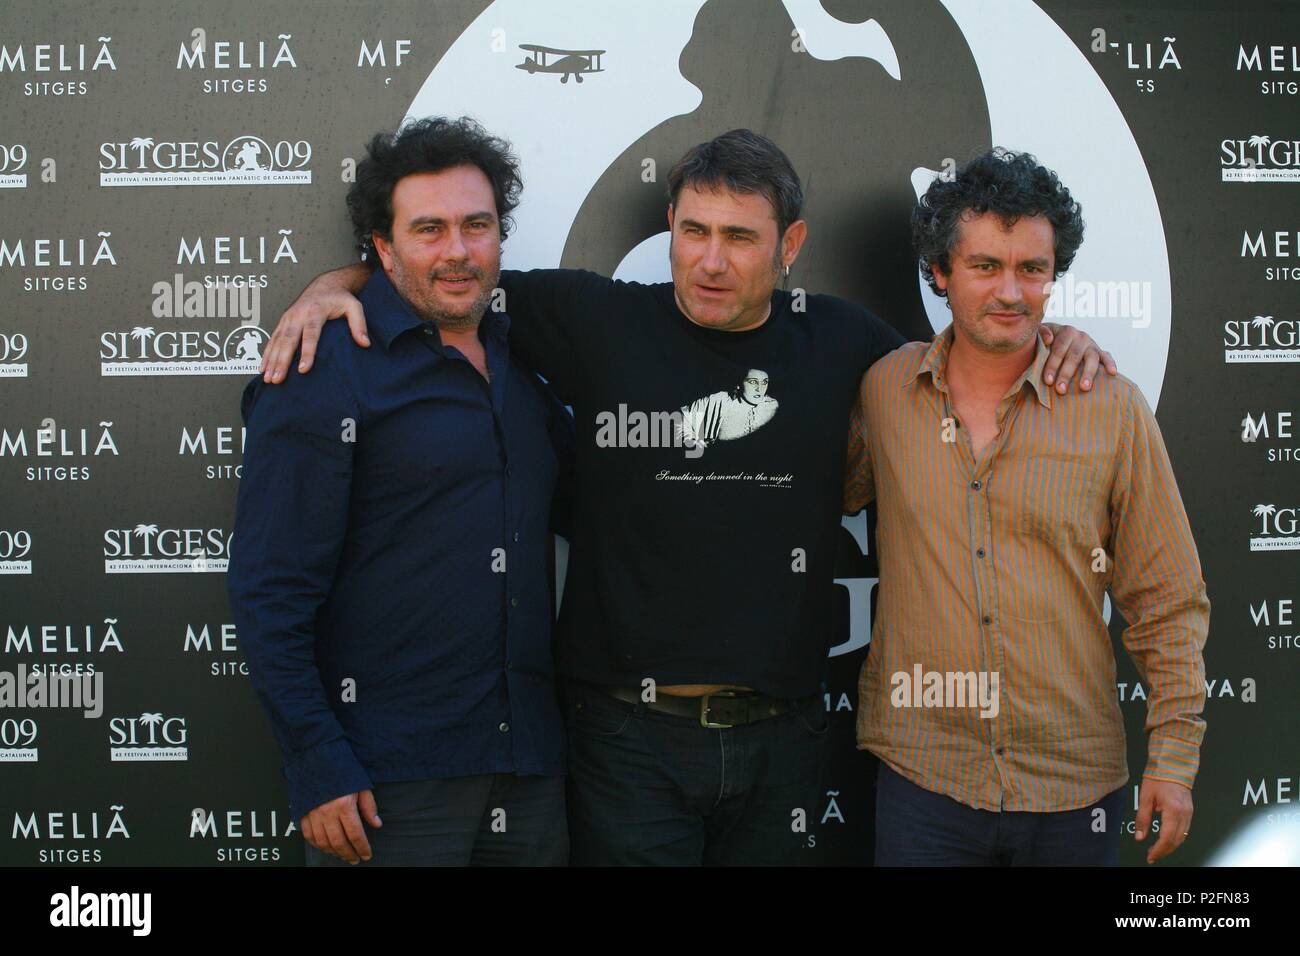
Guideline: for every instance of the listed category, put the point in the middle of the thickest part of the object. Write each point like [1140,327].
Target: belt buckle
[704,711]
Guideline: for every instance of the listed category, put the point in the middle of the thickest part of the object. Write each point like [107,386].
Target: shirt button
[507,471]
[428,330]
[504,728]
[975,485]
[1001,750]
[516,535]
[987,619]
[979,553]
[514,602]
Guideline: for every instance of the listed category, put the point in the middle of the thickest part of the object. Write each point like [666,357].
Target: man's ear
[385,249]
[670,217]
[795,235]
[940,279]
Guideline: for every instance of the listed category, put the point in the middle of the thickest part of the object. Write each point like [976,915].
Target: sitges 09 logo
[1260,159]
[150,736]
[13,355]
[1276,529]
[148,549]
[146,350]
[13,166]
[245,160]
[15,551]
[1261,338]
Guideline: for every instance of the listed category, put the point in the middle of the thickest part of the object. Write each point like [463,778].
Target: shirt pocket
[1055,504]
[1055,533]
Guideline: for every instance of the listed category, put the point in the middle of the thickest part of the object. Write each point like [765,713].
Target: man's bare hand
[1070,346]
[1173,802]
[335,827]
[328,296]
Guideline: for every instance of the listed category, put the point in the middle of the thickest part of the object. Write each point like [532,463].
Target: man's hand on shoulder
[335,827]
[330,295]
[1070,346]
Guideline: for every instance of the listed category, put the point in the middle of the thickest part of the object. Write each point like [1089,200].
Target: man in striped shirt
[1006,512]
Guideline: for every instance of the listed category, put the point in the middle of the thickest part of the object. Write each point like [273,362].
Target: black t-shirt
[708,477]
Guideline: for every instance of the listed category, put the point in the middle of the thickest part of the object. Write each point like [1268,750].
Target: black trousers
[654,789]
[486,820]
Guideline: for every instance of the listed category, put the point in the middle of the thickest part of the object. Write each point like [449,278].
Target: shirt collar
[388,315]
[935,364]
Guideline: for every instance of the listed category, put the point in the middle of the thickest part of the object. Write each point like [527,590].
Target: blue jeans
[486,820]
[917,827]
[653,789]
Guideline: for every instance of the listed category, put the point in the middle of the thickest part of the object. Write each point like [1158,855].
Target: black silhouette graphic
[572,63]
[858,191]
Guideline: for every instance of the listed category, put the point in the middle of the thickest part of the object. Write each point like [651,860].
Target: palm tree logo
[144,531]
[151,721]
[1264,511]
[142,334]
[1263,323]
[141,143]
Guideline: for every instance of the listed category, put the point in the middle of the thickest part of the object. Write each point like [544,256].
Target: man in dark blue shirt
[389,580]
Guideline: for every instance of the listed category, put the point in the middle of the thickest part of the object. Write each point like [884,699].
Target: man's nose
[1009,288]
[454,248]
[714,260]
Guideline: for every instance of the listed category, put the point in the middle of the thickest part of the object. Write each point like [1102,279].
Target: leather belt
[720,711]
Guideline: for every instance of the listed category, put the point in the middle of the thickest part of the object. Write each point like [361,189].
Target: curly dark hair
[744,162]
[428,146]
[1006,183]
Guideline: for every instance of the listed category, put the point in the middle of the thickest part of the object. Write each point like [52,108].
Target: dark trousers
[653,789]
[486,820]
[917,827]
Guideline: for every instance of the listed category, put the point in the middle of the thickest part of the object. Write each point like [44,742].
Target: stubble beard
[975,332]
[425,303]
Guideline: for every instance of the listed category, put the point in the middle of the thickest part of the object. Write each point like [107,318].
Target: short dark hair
[1005,183]
[745,162]
[428,146]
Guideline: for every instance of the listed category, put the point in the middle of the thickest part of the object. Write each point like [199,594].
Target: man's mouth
[455,283]
[713,291]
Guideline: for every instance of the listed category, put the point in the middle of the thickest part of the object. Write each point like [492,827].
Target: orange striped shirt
[1001,566]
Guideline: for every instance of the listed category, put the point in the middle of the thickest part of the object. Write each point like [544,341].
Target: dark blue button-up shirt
[388,570]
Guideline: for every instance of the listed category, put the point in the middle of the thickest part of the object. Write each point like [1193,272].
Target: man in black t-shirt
[695,621]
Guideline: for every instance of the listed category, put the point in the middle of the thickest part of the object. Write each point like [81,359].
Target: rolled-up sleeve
[290,523]
[1157,584]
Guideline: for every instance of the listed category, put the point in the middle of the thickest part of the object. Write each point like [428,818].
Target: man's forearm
[351,278]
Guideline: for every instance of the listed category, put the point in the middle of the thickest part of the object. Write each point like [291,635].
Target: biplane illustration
[570,63]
